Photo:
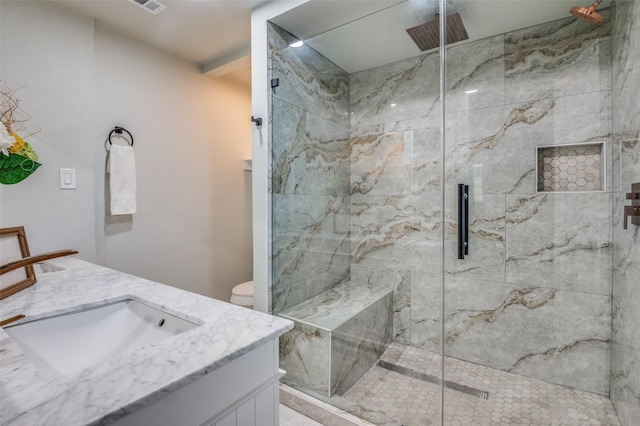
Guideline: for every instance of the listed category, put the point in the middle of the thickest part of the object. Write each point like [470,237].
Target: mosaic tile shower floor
[387,397]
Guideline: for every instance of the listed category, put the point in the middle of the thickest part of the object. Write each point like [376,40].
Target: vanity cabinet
[241,393]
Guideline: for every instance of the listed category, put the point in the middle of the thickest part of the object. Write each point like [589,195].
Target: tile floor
[388,398]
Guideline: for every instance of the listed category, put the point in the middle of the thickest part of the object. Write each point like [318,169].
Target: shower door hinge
[275,82]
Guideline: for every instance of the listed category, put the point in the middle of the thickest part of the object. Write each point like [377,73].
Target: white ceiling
[198,31]
[380,38]
[209,33]
[212,32]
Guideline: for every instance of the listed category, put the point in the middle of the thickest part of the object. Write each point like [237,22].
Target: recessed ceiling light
[471,91]
[297,43]
[393,105]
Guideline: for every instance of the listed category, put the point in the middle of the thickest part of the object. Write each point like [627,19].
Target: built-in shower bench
[338,335]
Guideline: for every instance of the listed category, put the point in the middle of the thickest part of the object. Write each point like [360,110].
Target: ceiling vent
[151,6]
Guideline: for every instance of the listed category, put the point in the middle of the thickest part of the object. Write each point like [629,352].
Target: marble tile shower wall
[625,359]
[534,295]
[309,178]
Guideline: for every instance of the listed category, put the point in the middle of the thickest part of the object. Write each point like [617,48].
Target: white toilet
[242,295]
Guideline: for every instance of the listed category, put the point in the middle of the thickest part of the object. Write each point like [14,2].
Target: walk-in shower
[535,116]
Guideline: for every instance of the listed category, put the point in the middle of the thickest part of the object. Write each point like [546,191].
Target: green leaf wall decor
[16,168]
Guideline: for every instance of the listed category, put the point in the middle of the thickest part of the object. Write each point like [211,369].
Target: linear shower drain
[433,379]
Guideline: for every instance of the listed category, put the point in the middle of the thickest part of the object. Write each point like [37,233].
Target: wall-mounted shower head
[427,36]
[588,13]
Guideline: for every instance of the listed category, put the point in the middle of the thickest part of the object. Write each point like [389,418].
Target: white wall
[48,54]
[193,227]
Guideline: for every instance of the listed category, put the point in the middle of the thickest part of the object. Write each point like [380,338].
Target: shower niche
[571,168]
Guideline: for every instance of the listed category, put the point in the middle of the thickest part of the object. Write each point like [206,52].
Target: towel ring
[119,131]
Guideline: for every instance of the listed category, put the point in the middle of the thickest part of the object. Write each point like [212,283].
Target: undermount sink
[70,342]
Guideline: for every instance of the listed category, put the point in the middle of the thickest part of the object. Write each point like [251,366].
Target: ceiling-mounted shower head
[588,13]
[427,36]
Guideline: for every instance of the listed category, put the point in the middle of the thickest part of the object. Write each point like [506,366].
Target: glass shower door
[356,232]
[367,166]
[528,302]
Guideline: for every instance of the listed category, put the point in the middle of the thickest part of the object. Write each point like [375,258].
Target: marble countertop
[101,394]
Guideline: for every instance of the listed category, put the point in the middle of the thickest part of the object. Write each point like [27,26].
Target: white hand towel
[122,179]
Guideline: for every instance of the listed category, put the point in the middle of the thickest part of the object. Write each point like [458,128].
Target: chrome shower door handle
[463,220]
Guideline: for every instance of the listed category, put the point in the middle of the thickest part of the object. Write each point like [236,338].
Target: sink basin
[68,343]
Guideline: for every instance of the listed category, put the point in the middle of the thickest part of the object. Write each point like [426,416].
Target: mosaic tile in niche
[571,168]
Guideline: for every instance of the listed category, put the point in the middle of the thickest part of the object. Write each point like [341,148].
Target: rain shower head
[588,13]
[427,36]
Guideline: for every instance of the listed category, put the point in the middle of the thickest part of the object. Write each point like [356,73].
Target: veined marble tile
[357,344]
[425,160]
[310,154]
[625,358]
[483,123]
[626,261]
[301,274]
[502,140]
[310,240]
[303,221]
[553,335]
[626,115]
[477,67]
[556,59]
[358,320]
[560,241]
[288,130]
[431,121]
[626,156]
[625,364]
[334,307]
[625,35]
[426,296]
[399,91]
[487,239]
[584,117]
[312,82]
[581,365]
[529,331]
[328,276]
[401,232]
[305,354]
[381,163]
[627,413]
[626,86]
[400,282]
[506,154]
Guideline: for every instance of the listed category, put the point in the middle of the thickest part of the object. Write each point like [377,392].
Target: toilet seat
[242,294]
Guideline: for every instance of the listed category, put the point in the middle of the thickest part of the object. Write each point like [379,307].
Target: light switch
[67,178]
